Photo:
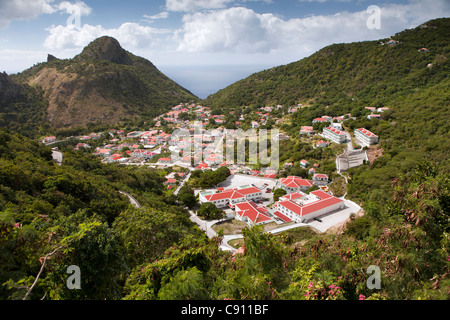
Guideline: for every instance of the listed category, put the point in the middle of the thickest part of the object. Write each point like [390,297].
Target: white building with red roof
[334,135]
[320,179]
[230,197]
[294,184]
[302,209]
[366,136]
[322,144]
[251,213]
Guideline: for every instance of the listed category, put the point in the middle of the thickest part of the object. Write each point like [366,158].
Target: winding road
[133,201]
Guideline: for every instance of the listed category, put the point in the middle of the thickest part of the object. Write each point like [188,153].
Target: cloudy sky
[204,45]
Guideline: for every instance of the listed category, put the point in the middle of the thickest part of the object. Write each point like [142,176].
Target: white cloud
[11,10]
[194,5]
[23,10]
[241,30]
[129,34]
[161,15]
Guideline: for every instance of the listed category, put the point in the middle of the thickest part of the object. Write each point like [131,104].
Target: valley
[111,166]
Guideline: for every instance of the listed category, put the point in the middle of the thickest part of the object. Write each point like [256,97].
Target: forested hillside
[74,215]
[344,76]
[397,73]
[76,212]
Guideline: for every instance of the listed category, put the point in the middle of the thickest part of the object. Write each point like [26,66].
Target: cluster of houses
[334,132]
[296,205]
[204,114]
[376,112]
[129,147]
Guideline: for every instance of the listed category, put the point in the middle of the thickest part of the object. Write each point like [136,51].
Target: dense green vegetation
[409,242]
[52,217]
[77,210]
[346,78]
[74,215]
[22,108]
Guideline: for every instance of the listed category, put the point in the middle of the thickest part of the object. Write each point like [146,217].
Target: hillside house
[366,136]
[334,135]
[294,184]
[307,130]
[320,179]
[304,163]
[49,139]
[320,120]
[251,213]
[165,160]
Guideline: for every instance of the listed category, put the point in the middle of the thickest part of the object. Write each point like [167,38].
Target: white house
[366,136]
[251,213]
[334,135]
[294,184]
[320,179]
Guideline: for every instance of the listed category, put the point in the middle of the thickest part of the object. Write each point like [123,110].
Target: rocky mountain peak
[105,48]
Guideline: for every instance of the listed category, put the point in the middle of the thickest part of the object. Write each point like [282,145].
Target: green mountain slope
[22,108]
[103,84]
[351,74]
[346,78]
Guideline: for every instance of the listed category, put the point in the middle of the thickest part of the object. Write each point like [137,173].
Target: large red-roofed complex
[310,206]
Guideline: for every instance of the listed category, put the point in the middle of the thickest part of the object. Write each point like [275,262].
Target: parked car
[317,219]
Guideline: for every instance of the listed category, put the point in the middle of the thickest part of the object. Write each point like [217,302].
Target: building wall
[312,215]
[363,138]
[334,137]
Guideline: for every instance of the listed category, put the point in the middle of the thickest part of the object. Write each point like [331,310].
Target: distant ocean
[205,80]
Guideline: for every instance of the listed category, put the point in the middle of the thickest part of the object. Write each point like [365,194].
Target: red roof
[282,216]
[250,210]
[325,201]
[366,132]
[335,131]
[296,182]
[232,194]
[292,196]
[249,190]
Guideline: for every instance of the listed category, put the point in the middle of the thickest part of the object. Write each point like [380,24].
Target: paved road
[186,178]
[57,156]
[133,201]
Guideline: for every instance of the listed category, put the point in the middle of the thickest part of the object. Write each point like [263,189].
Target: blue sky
[204,45]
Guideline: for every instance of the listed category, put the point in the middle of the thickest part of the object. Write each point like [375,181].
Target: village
[248,194]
